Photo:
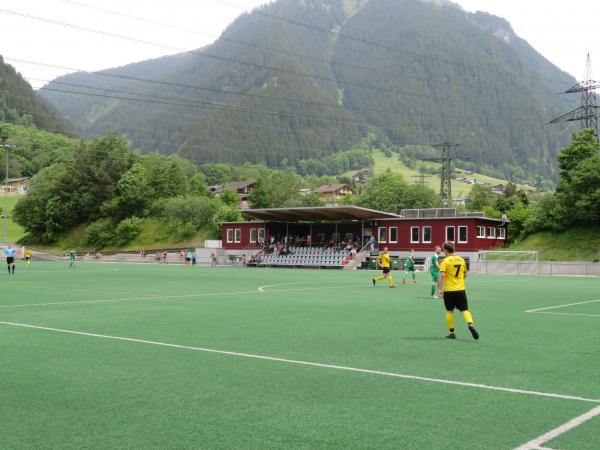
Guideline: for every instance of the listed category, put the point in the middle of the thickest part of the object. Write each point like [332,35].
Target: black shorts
[456,299]
[10,260]
[386,270]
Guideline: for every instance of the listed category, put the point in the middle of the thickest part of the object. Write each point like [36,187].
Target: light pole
[6,147]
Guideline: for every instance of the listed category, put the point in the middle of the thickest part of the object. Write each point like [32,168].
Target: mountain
[19,103]
[295,80]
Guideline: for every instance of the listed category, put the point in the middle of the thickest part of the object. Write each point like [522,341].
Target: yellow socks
[468,317]
[379,278]
[390,280]
[450,320]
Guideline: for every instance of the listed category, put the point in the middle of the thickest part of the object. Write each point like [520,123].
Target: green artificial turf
[75,391]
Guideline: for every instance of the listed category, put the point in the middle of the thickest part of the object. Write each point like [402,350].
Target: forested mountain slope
[295,80]
[20,104]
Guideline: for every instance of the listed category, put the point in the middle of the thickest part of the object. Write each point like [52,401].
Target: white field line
[169,297]
[264,288]
[307,363]
[566,314]
[538,441]
[562,306]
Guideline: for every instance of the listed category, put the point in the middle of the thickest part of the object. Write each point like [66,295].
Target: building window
[382,235]
[414,235]
[261,235]
[463,235]
[491,234]
[230,235]
[501,233]
[481,232]
[238,235]
[426,235]
[253,235]
[393,235]
[450,234]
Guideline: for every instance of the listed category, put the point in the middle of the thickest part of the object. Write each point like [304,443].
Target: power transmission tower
[587,114]
[446,172]
[420,179]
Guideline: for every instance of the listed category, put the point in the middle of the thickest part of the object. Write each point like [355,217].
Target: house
[333,192]
[498,189]
[241,188]
[16,185]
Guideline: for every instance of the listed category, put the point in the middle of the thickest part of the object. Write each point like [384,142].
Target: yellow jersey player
[451,286]
[385,263]
[27,257]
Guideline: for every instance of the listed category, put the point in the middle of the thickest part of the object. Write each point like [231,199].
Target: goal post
[515,262]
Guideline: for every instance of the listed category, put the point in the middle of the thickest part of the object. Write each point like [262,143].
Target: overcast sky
[556,29]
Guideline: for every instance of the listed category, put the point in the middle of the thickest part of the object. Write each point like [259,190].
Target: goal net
[507,262]
[530,256]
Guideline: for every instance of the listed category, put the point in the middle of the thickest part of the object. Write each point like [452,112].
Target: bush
[100,233]
[128,230]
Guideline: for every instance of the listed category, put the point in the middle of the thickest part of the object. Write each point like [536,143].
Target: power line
[188,100]
[232,60]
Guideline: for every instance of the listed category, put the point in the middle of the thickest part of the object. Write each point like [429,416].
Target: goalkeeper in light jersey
[384,262]
[409,266]
[434,269]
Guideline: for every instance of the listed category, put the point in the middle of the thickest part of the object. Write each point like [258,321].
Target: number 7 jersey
[455,269]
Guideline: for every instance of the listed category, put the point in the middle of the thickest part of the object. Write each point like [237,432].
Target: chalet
[333,192]
[16,185]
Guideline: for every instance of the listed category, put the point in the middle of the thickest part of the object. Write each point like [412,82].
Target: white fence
[549,268]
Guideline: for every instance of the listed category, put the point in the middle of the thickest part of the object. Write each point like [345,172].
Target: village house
[16,185]
[333,192]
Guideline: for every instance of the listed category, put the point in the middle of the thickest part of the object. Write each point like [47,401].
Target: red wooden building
[419,229]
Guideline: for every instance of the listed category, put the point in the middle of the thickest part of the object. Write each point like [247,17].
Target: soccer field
[149,356]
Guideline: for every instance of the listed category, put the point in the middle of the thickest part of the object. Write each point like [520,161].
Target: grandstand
[341,236]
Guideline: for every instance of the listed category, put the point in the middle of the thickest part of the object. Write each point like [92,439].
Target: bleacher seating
[306,257]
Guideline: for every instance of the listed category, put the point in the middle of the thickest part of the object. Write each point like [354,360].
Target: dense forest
[275,91]
[20,104]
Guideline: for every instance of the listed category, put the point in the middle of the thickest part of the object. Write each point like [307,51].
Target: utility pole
[587,114]
[446,172]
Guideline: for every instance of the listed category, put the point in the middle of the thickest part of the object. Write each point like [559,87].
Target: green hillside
[459,189]
[272,90]
[575,244]
[14,231]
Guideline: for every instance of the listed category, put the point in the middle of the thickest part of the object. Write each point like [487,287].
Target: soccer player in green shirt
[72,256]
[409,266]
[435,270]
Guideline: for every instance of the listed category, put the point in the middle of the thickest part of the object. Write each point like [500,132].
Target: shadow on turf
[436,338]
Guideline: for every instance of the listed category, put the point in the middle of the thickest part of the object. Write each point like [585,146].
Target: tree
[198,185]
[165,177]
[260,197]
[578,191]
[132,193]
[584,145]
[230,198]
[480,197]
[385,192]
